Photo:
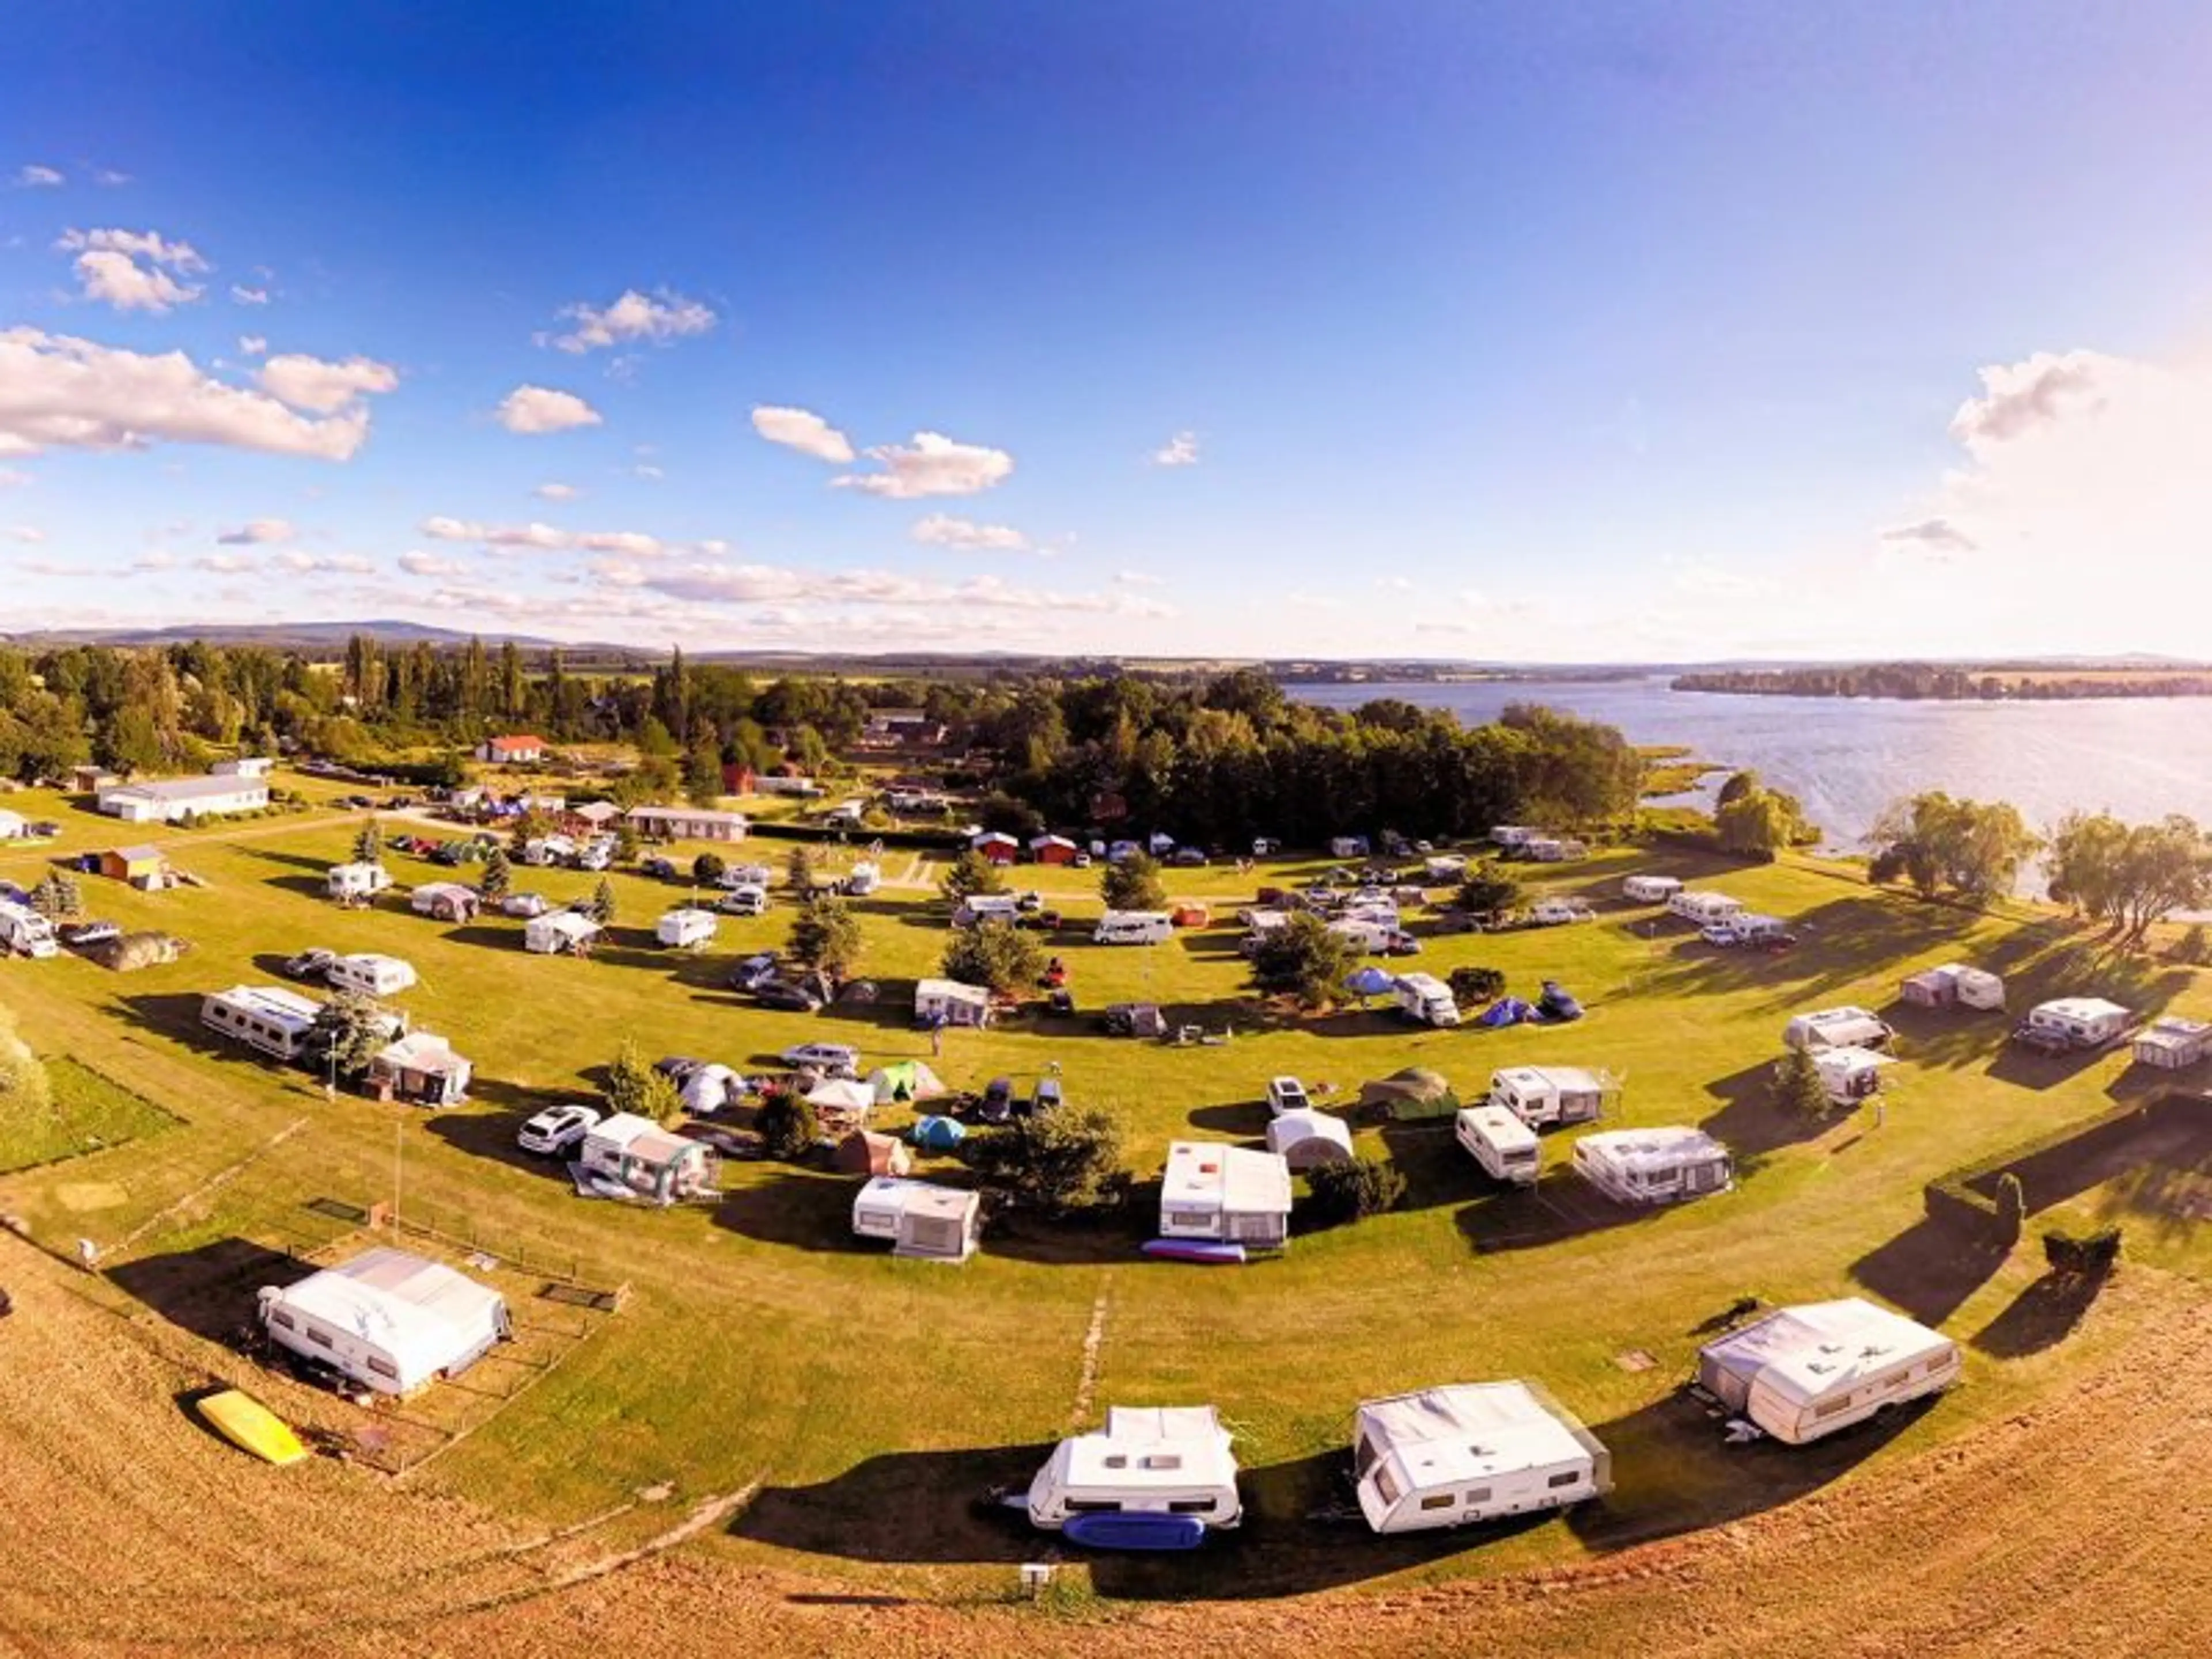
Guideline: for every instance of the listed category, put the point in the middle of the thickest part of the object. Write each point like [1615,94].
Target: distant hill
[301,636]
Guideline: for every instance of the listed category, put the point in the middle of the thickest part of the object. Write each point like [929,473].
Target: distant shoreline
[1917,683]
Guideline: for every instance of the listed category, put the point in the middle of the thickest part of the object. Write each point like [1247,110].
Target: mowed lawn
[871,1400]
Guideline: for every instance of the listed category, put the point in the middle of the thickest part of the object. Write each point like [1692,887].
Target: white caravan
[1372,937]
[1157,1460]
[2082,1022]
[1654,1166]
[1134,928]
[985,906]
[1806,1371]
[934,1224]
[1851,1075]
[1837,1028]
[1501,1143]
[1425,1000]
[1543,1095]
[1558,912]
[268,1018]
[360,879]
[1227,1193]
[389,1321]
[23,928]
[686,929]
[1649,889]
[369,974]
[1473,1451]
[1702,909]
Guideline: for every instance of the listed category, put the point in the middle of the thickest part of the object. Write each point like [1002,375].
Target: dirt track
[2073,1528]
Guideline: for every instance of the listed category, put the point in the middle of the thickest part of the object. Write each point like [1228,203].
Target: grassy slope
[760,1345]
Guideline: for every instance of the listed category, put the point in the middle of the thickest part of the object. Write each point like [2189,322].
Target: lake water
[1847,758]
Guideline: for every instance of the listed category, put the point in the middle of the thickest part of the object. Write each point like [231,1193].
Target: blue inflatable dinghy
[1204,1251]
[1134,1530]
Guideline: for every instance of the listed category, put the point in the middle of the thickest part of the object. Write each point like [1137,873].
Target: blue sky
[1534,333]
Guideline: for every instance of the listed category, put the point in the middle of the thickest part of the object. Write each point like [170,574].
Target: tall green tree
[1133,884]
[996,955]
[602,907]
[1975,849]
[369,842]
[498,877]
[971,873]
[635,1087]
[1306,959]
[826,936]
[1059,1163]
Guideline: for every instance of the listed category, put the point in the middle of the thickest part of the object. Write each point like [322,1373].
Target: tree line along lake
[1848,758]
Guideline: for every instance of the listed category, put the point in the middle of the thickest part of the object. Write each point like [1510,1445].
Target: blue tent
[1506,1011]
[1370,981]
[938,1134]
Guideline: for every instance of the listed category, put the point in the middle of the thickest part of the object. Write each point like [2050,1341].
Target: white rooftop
[1652,1149]
[274,1002]
[1470,1431]
[920,1197]
[2083,1008]
[1151,1446]
[1566,1079]
[948,990]
[1820,1348]
[401,1303]
[1206,1174]
[1499,1127]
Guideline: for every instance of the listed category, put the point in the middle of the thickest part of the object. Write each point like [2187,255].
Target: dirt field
[2071,1528]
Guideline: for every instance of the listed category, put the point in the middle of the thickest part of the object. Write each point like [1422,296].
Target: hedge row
[1968,1197]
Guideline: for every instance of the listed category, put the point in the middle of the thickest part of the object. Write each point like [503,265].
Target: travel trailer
[646,1159]
[1654,1166]
[1510,837]
[985,906]
[2079,1022]
[1543,1095]
[1851,1075]
[23,928]
[1373,936]
[686,929]
[1804,1372]
[2172,1044]
[1500,1143]
[369,974]
[1134,928]
[1837,1028]
[919,1219]
[386,1320]
[1953,984]
[1171,1464]
[559,932]
[1702,909]
[1469,1452]
[359,880]
[1230,1194]
[949,1002]
[1557,912]
[1425,1000]
[268,1018]
[1649,889]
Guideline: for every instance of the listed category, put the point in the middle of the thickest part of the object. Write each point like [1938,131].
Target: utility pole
[398,1144]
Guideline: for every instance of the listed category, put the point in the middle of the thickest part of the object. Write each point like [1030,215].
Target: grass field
[869,1398]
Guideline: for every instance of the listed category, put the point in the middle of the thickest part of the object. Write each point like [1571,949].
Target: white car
[837,1059]
[525,905]
[1722,934]
[557,1128]
[746,901]
[1285,1094]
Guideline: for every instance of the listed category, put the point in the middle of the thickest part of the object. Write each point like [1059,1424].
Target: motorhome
[388,1320]
[1231,1193]
[1543,1095]
[1500,1143]
[1172,1462]
[1469,1452]
[1654,1166]
[1650,889]
[1804,1372]
[919,1219]
[1846,1027]
[264,1017]
[23,929]
[369,975]
[1702,909]
[1134,928]
[1425,1000]
[1556,912]
[1374,938]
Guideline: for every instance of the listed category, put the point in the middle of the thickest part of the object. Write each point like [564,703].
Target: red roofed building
[519,750]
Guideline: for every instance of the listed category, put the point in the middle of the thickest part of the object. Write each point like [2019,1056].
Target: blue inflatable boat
[1129,1530]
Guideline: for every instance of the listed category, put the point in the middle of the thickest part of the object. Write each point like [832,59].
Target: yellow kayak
[251,1426]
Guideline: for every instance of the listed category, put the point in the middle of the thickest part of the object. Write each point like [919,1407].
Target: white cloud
[108,177]
[241,295]
[160,559]
[532,409]
[556,492]
[659,319]
[1138,579]
[646,470]
[2017,398]
[252,345]
[300,562]
[1395,584]
[324,387]
[226,564]
[255,532]
[416,562]
[933,464]
[1935,535]
[148,245]
[61,392]
[544,537]
[118,280]
[1181,450]
[28,533]
[966,536]
[718,583]
[31,176]
[802,430]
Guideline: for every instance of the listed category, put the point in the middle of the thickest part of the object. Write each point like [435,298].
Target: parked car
[1188,857]
[1047,1097]
[557,1128]
[1286,1094]
[677,1067]
[309,964]
[754,971]
[658,868]
[998,1102]
[1030,902]
[79,935]
[783,995]
[836,1059]
[44,830]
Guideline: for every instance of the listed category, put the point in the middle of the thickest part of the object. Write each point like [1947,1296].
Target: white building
[1654,1166]
[1470,1452]
[2171,1043]
[1806,1371]
[952,1003]
[1229,1193]
[264,1017]
[1543,1095]
[246,766]
[389,1321]
[559,932]
[919,1219]
[687,823]
[1837,1028]
[167,800]
[370,974]
[1162,1460]
[357,880]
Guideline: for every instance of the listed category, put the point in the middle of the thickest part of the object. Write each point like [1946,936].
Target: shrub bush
[1351,1192]
[788,1126]
[2089,1255]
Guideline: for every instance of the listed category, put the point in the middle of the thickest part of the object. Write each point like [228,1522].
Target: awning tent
[1412,1092]
[903,1081]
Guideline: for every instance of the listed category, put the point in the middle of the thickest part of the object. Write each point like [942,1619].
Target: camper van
[1375,938]
[1425,1000]
[1654,1166]
[1134,928]
[1541,1095]
[1804,1372]
[1501,1143]
[918,1219]
[1837,1028]
[1450,1456]
[1172,1463]
[369,974]
[23,928]
[388,1320]
[985,906]
[1649,889]
[750,899]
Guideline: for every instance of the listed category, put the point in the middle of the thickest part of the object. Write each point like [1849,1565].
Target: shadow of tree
[209,1290]
[1929,1270]
[800,1209]
[2041,1316]
[1558,1207]
[1751,1125]
[1438,1171]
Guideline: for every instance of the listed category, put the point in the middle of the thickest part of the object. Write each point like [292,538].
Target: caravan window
[383,1367]
[1442,1500]
[1832,1407]
[1364,1458]
[1094,1505]
[1388,1488]
[317,1333]
[1566,1480]
[1161,1461]
[1190,1506]
[278,1316]
[1480,1495]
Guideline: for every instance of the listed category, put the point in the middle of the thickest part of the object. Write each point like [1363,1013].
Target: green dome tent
[1415,1092]
[904,1081]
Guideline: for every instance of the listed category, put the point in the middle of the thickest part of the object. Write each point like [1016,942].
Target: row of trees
[1922,680]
